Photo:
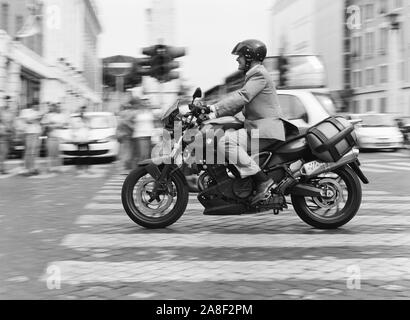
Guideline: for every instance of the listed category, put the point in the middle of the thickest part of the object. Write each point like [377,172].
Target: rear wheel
[161,212]
[341,203]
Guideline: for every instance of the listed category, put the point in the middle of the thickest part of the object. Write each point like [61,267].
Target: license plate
[82,148]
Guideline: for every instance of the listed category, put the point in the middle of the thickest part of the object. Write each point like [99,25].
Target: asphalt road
[66,236]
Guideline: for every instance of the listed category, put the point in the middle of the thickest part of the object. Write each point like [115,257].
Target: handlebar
[198,110]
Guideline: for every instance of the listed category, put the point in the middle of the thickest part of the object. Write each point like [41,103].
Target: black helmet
[252,50]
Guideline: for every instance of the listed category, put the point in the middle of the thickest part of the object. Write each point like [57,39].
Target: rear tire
[135,206]
[351,207]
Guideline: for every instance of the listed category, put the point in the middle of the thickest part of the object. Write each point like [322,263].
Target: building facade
[311,27]
[48,53]
[380,57]
[364,44]
[71,44]
[160,21]
[21,65]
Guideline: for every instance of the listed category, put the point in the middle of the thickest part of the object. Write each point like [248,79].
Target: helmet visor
[238,48]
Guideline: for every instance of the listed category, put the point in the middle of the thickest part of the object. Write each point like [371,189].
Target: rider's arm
[235,102]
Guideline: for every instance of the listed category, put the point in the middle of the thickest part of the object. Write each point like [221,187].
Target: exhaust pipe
[324,167]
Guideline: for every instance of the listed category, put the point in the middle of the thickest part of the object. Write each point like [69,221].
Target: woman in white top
[54,121]
[81,131]
[31,125]
[143,130]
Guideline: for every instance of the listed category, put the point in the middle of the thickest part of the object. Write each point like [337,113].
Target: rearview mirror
[197,93]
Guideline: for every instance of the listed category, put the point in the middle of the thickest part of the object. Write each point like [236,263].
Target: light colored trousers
[4,151]
[235,145]
[53,149]
[31,151]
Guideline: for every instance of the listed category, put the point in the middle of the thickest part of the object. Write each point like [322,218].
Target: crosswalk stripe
[215,240]
[109,191]
[114,189]
[373,192]
[403,164]
[364,162]
[116,219]
[388,207]
[388,167]
[77,272]
[117,195]
[111,187]
[107,197]
[366,169]
[403,155]
[388,198]
[118,206]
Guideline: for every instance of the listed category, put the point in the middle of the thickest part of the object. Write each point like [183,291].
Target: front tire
[156,214]
[345,189]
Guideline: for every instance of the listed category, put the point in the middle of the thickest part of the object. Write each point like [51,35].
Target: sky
[208,29]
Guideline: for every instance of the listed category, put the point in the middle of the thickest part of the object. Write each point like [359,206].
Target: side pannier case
[331,139]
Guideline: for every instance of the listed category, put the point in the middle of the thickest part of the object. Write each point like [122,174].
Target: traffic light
[283,68]
[161,62]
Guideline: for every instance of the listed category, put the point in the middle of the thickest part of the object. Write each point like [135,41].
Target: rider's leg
[235,144]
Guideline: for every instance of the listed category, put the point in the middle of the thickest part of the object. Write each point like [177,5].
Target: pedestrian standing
[32,130]
[80,128]
[4,144]
[54,121]
[125,129]
[6,131]
[143,130]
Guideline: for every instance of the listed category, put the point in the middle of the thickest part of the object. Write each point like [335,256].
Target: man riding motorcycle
[259,103]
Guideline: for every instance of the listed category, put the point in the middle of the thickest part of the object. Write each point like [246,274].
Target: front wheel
[341,203]
[161,212]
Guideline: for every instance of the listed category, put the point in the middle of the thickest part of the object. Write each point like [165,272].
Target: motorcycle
[325,192]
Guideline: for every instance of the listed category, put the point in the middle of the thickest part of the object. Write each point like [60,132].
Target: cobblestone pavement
[255,257]
[261,257]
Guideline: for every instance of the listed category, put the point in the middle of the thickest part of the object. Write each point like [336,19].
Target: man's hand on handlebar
[202,118]
[198,109]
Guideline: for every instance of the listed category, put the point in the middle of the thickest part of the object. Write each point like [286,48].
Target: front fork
[160,177]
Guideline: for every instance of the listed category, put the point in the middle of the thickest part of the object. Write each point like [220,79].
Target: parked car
[102,139]
[377,131]
[304,107]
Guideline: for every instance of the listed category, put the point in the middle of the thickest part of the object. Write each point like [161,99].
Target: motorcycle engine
[229,187]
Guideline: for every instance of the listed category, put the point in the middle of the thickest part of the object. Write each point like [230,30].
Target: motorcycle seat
[292,133]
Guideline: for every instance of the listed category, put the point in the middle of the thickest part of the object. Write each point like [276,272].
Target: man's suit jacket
[259,103]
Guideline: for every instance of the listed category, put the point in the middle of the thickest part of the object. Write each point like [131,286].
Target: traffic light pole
[161,94]
[119,83]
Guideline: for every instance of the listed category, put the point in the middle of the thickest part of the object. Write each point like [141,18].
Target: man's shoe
[263,191]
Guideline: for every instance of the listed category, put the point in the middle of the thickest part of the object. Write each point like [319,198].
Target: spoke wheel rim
[142,196]
[331,206]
